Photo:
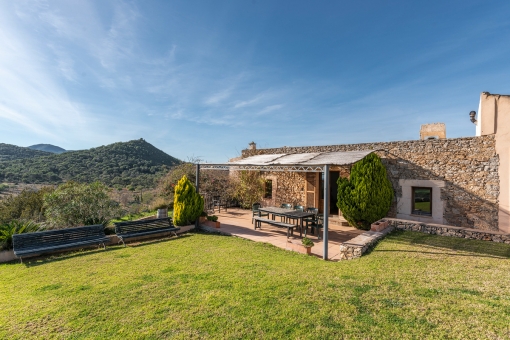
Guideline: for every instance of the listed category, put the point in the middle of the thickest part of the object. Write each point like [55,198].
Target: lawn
[411,286]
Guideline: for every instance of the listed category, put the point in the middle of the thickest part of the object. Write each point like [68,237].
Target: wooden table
[292,214]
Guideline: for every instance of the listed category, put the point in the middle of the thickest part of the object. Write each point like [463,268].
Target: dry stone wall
[468,166]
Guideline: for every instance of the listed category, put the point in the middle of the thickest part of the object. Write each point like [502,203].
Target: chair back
[312,210]
[287,206]
[255,206]
[299,207]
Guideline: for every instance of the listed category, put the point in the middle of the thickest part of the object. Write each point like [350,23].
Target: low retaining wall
[359,245]
[448,230]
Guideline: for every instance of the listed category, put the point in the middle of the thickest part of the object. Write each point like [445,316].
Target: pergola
[298,162]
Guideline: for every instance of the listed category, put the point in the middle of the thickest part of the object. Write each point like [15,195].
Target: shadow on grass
[61,256]
[469,247]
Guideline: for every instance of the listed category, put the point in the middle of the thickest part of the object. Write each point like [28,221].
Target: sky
[202,79]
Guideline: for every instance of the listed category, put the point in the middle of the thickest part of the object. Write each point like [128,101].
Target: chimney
[433,131]
[252,146]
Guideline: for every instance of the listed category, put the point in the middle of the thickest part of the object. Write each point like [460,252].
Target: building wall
[494,119]
[465,168]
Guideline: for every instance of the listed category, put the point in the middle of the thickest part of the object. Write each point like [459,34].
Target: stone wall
[451,231]
[468,167]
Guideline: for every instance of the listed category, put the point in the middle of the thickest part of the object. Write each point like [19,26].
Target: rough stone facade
[468,167]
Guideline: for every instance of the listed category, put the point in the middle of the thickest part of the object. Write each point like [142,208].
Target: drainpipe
[326,211]
[197,184]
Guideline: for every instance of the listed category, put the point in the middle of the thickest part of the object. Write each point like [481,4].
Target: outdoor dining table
[292,214]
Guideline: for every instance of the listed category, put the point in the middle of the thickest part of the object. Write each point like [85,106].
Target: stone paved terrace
[237,222]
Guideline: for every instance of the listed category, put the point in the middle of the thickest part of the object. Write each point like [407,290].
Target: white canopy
[313,161]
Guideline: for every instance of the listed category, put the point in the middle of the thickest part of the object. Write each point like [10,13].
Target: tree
[248,188]
[28,205]
[73,204]
[188,204]
[366,197]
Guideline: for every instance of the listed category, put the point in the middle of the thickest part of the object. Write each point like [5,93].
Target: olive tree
[74,204]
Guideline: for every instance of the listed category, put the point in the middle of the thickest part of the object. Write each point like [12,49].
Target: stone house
[462,182]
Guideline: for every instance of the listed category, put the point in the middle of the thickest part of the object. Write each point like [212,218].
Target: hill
[47,148]
[10,152]
[136,163]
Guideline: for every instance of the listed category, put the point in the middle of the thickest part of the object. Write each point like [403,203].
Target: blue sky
[205,78]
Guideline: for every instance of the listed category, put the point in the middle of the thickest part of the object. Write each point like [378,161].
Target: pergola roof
[313,161]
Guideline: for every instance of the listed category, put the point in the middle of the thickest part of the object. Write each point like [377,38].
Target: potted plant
[303,247]
[162,210]
[212,221]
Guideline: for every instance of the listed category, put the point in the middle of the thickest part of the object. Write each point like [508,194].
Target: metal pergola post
[197,184]
[326,211]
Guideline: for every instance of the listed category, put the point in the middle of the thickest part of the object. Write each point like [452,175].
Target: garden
[199,285]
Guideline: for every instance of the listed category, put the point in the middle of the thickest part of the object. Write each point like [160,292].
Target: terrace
[237,222]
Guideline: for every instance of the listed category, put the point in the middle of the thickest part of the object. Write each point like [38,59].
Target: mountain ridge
[132,163]
[48,148]
[12,152]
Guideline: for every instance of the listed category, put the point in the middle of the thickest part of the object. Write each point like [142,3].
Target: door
[311,189]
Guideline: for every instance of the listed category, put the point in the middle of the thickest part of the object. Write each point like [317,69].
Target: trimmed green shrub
[188,204]
[366,197]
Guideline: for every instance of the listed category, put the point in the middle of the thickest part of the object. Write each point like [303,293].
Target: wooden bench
[257,221]
[131,229]
[60,239]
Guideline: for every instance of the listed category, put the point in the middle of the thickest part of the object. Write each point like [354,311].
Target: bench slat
[59,239]
[130,229]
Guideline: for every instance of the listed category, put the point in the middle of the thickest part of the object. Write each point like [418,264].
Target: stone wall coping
[450,227]
[412,141]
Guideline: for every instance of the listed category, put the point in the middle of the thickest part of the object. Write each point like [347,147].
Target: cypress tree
[367,195]
[188,204]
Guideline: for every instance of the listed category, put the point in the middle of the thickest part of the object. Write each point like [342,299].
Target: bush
[16,227]
[212,218]
[366,197]
[248,188]
[73,204]
[188,205]
[28,205]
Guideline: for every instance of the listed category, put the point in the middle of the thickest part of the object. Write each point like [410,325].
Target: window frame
[414,211]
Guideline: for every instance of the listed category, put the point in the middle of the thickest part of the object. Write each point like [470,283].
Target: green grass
[411,286]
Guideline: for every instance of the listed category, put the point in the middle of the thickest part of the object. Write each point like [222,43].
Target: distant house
[455,181]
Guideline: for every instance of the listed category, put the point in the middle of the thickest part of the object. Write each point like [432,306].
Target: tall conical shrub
[366,197]
[188,205]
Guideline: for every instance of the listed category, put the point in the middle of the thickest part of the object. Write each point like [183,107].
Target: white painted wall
[405,203]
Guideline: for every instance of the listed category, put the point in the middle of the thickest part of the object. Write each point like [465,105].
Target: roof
[313,161]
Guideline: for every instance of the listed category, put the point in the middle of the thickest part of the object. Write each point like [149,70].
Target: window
[268,189]
[422,201]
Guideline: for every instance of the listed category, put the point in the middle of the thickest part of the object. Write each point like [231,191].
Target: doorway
[333,192]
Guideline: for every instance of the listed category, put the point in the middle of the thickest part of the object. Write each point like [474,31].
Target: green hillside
[10,152]
[136,163]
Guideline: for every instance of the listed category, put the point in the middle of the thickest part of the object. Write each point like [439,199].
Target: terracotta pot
[293,245]
[379,226]
[212,224]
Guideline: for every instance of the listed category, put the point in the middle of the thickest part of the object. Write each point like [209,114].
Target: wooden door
[312,184]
